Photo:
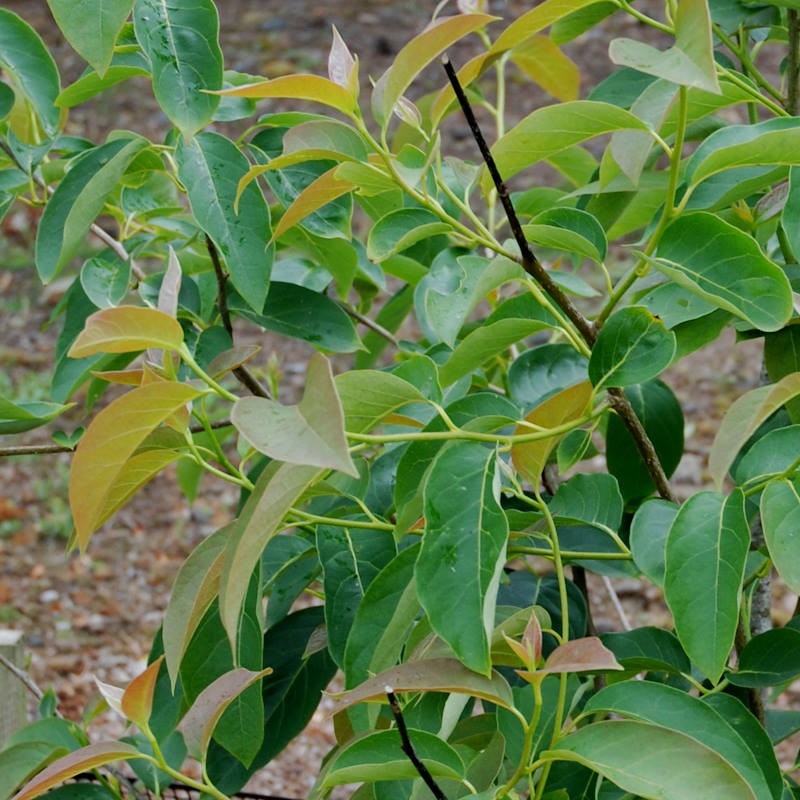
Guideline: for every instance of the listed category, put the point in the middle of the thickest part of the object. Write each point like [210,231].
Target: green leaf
[277,489]
[571,230]
[21,417]
[726,267]
[660,413]
[181,39]
[78,200]
[350,558]
[593,499]
[547,131]
[648,648]
[92,27]
[369,396]
[105,280]
[91,84]
[193,591]
[416,55]
[742,420]
[398,230]
[379,757]
[301,313]
[543,371]
[632,347]
[782,357]
[790,215]
[20,760]
[649,531]
[780,513]
[485,342]
[640,758]
[463,550]
[210,167]
[127,329]
[769,659]
[774,141]
[310,433]
[29,62]
[430,675]
[705,559]
[689,63]
[383,620]
[671,708]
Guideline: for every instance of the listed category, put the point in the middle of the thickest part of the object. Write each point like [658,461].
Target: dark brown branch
[243,375]
[536,270]
[793,61]
[408,748]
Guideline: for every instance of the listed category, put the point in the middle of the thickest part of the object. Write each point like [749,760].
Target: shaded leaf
[780,515]
[400,229]
[770,659]
[648,648]
[21,417]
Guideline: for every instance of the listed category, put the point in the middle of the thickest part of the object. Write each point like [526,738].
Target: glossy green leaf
[78,200]
[105,280]
[463,550]
[781,724]
[705,559]
[277,489]
[782,357]
[568,229]
[181,40]
[632,347]
[742,420]
[91,84]
[594,499]
[485,342]
[25,56]
[383,620]
[21,417]
[399,229]
[774,141]
[379,757]
[210,167]
[301,313]
[690,62]
[641,758]
[541,372]
[92,26]
[725,267]
[780,514]
[660,413]
[416,55]
[769,659]
[547,131]
[676,710]
[648,540]
[770,455]
[193,591]
[310,433]
[648,648]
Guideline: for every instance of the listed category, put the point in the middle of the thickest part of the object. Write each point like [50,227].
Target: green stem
[527,743]
[204,376]
[317,519]
[569,555]
[653,23]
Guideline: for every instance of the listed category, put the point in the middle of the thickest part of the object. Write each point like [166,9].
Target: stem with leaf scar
[531,264]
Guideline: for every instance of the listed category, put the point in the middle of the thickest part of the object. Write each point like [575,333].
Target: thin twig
[408,748]
[793,60]
[536,270]
[615,601]
[21,675]
[368,323]
[243,375]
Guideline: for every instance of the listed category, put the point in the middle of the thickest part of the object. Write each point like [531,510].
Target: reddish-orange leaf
[137,702]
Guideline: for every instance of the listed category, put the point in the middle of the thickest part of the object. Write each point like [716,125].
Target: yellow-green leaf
[127,329]
[110,441]
[545,63]
[530,457]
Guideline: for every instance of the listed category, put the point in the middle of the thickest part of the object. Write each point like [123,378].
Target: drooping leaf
[182,43]
[463,550]
[200,720]
[78,200]
[561,409]
[743,418]
[632,347]
[674,709]
[780,512]
[311,432]
[378,756]
[641,758]
[92,26]
[400,229]
[210,167]
[25,56]
[72,764]
[127,329]
[725,267]
[109,442]
[21,417]
[705,558]
[431,675]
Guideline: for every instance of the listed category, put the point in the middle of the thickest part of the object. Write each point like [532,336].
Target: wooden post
[13,700]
